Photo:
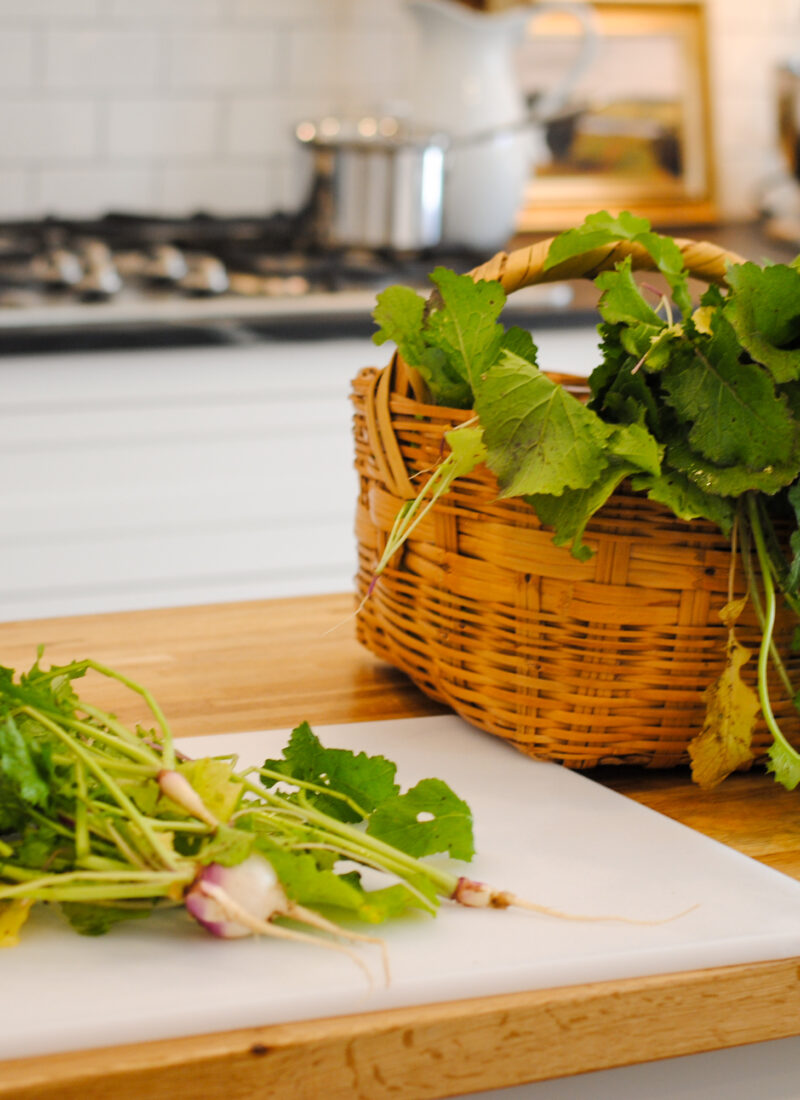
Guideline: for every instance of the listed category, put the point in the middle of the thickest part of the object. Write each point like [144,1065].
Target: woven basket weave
[586,663]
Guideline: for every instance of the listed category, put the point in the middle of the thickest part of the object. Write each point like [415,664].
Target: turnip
[112,823]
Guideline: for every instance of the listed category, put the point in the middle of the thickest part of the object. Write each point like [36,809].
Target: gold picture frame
[636,132]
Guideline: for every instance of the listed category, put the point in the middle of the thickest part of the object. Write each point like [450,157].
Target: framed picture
[635,132]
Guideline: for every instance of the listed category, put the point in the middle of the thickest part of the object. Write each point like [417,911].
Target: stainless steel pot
[375,185]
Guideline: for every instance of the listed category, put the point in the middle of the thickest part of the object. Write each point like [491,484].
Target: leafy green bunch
[697,405]
[89,819]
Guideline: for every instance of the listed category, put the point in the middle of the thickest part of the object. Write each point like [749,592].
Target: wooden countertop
[271,664]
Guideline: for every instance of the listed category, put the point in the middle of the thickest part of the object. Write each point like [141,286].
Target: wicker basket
[586,663]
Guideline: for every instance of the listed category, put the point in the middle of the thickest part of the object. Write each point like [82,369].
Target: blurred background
[171,105]
[200,199]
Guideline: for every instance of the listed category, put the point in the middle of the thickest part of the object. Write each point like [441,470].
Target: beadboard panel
[133,479]
[147,478]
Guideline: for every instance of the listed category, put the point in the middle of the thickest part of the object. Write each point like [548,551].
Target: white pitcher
[466,85]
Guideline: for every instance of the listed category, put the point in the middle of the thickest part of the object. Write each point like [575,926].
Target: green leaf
[228,847]
[688,501]
[597,230]
[96,920]
[520,342]
[18,762]
[465,327]
[539,438]
[427,819]
[569,513]
[634,444]
[467,450]
[400,313]
[367,780]
[321,888]
[215,783]
[763,308]
[736,416]
[731,481]
[632,450]
[602,228]
[621,301]
[618,393]
[784,763]
[450,340]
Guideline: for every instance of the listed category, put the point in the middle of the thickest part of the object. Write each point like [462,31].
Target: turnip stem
[385,855]
[768,628]
[168,758]
[108,782]
[82,842]
[303,784]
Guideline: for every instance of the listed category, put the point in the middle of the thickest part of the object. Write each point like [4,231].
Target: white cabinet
[153,478]
[147,478]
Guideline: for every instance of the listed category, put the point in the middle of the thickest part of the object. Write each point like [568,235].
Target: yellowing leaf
[731,708]
[12,917]
[732,611]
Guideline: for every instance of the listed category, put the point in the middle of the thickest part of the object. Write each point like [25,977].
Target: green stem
[82,842]
[96,884]
[444,882]
[752,588]
[82,893]
[407,518]
[769,626]
[109,783]
[121,730]
[307,786]
[168,759]
[139,752]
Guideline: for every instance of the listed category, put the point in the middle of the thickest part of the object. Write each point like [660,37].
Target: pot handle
[553,100]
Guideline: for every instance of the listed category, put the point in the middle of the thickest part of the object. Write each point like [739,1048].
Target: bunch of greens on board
[112,823]
[697,404]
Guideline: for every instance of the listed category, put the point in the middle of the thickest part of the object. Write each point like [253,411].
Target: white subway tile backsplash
[93,191]
[224,59]
[154,128]
[263,127]
[51,10]
[165,11]
[102,60]
[281,12]
[218,189]
[195,101]
[372,65]
[17,59]
[17,194]
[41,130]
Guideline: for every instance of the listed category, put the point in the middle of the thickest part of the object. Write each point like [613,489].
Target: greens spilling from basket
[696,403]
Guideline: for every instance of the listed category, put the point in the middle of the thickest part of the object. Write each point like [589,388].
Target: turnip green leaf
[427,819]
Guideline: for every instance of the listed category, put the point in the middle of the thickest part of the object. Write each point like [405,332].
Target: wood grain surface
[271,664]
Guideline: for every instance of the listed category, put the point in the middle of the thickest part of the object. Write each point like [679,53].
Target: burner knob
[58,267]
[206,275]
[166,264]
[101,278]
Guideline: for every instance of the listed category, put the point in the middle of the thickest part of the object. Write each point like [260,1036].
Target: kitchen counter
[270,664]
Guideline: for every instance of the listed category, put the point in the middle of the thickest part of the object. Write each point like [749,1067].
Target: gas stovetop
[122,272]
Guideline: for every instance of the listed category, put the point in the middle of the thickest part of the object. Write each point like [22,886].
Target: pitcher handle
[553,100]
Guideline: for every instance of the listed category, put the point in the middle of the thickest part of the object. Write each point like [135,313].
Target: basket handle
[525,266]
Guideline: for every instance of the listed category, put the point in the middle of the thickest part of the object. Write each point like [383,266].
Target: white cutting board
[541,831]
